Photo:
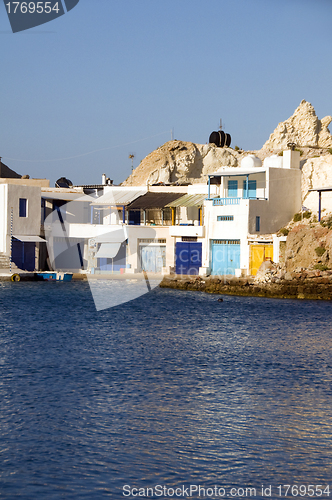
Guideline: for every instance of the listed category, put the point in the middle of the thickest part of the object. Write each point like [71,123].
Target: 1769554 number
[32,7]
[302,490]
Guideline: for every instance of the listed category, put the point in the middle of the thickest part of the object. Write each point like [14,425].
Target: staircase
[5,264]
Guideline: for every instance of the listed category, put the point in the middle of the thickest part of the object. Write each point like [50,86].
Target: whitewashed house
[20,222]
[125,230]
[253,203]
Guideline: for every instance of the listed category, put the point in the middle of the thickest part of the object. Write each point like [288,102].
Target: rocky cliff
[309,246]
[303,128]
[181,162]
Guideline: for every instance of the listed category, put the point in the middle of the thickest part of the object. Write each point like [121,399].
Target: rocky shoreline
[313,285]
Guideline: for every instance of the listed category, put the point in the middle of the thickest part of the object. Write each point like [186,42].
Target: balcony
[219,202]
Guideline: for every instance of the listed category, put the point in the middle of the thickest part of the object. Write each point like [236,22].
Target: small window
[258,223]
[23,207]
[225,217]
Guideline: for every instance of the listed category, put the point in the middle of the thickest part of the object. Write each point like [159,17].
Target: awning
[108,250]
[119,196]
[154,200]
[189,200]
[236,171]
[23,237]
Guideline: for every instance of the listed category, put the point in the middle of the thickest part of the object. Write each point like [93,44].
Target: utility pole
[131,157]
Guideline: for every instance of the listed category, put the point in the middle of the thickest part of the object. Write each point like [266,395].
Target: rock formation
[308,246]
[178,162]
[303,128]
[182,163]
[317,172]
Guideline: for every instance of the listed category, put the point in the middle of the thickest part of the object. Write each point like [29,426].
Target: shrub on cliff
[284,231]
[327,222]
[320,267]
[302,215]
[320,251]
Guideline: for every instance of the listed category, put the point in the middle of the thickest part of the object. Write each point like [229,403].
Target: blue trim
[219,202]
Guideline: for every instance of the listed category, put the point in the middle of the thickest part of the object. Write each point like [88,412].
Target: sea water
[171,393]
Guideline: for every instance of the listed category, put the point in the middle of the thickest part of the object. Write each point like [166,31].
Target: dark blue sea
[171,395]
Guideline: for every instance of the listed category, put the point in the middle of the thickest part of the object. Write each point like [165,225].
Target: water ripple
[172,388]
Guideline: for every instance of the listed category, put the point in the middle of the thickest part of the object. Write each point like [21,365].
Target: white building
[124,230]
[253,203]
[20,222]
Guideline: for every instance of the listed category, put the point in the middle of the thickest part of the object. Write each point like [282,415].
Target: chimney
[103,180]
[291,159]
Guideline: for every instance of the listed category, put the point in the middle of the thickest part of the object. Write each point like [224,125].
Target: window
[251,189]
[225,217]
[23,207]
[232,189]
[258,223]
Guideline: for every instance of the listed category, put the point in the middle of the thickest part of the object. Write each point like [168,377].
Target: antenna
[220,126]
[131,157]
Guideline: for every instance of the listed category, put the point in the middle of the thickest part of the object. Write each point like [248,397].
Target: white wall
[3,216]
[29,225]
[136,233]
[222,230]
[284,201]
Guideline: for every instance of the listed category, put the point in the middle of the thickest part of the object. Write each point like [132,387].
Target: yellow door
[258,254]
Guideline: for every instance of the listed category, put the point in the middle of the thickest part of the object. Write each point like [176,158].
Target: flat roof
[65,194]
[238,171]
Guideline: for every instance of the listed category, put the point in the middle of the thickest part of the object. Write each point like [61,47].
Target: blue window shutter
[232,189]
[258,223]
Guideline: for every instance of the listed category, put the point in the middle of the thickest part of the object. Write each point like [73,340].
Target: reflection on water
[172,388]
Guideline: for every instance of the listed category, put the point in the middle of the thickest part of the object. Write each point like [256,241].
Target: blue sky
[113,78]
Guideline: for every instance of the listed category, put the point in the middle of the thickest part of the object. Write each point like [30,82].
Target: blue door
[188,257]
[23,254]
[225,257]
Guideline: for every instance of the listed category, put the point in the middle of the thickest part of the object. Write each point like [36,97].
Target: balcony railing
[226,201]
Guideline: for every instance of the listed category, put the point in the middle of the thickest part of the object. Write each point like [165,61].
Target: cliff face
[185,162]
[182,162]
[317,172]
[303,128]
[307,246]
